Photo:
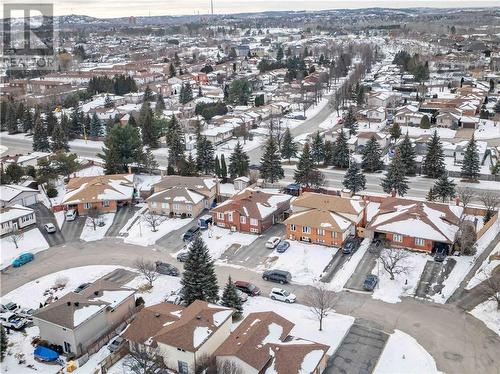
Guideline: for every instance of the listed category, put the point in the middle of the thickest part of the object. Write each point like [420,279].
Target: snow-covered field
[347,270]
[140,232]
[391,291]
[89,234]
[415,132]
[403,354]
[32,241]
[489,314]
[304,261]
[465,264]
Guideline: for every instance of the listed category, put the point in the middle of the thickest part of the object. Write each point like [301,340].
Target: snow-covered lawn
[335,326]
[304,261]
[347,270]
[140,232]
[465,264]
[486,268]
[403,354]
[32,241]
[487,130]
[89,234]
[391,291]
[90,171]
[489,314]
[415,132]
[227,148]
[60,218]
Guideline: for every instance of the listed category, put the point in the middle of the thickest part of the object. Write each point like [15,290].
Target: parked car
[22,259]
[440,254]
[350,245]
[283,246]
[278,276]
[248,288]
[166,269]
[26,313]
[182,256]
[81,287]
[174,299]
[50,228]
[282,295]
[115,344]
[189,235]
[370,282]
[243,296]
[71,215]
[375,246]
[9,307]
[204,221]
[12,321]
[273,242]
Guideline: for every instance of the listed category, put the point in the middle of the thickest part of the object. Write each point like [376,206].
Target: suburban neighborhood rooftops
[337,204]
[9,192]
[98,188]
[320,218]
[14,212]
[199,184]
[176,194]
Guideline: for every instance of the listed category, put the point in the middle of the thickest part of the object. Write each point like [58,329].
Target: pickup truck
[12,321]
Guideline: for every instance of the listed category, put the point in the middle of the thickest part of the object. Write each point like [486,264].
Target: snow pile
[89,234]
[391,291]
[84,313]
[218,240]
[60,218]
[200,334]
[90,171]
[403,354]
[311,361]
[32,241]
[304,261]
[489,314]
[273,335]
[343,274]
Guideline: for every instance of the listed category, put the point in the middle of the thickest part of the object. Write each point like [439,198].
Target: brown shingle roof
[319,218]
[201,185]
[98,188]
[332,203]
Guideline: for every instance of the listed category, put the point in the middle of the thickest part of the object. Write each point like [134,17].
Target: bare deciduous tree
[15,236]
[153,219]
[490,200]
[147,269]
[209,365]
[394,261]
[465,194]
[466,237]
[145,362]
[94,218]
[492,286]
[321,302]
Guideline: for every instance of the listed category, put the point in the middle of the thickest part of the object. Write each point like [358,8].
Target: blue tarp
[45,354]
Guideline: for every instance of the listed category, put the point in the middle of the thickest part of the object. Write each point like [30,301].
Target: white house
[12,194]
[15,217]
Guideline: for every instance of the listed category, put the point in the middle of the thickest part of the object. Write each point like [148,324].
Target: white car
[71,215]
[282,295]
[273,242]
[50,228]
[243,296]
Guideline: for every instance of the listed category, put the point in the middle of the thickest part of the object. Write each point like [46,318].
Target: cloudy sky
[123,8]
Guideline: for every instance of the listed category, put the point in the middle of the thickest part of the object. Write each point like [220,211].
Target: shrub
[51,192]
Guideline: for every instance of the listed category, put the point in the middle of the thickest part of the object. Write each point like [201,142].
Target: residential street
[459,342]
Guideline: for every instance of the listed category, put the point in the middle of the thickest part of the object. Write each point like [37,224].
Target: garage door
[29,200]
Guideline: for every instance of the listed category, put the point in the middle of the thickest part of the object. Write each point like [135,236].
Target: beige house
[183,196]
[181,335]
[77,320]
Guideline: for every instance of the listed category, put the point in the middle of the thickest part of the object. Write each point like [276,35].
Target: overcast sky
[124,8]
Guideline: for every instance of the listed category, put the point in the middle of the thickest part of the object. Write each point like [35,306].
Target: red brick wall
[328,238]
[409,242]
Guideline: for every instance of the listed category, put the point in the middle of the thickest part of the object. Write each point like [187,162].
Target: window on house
[164,205]
[67,347]
[306,229]
[256,231]
[177,206]
[183,367]
[87,205]
[105,203]
[189,207]
[397,238]
[420,242]
[320,232]
[243,219]
[220,215]
[254,222]
[293,227]
[334,234]
[154,204]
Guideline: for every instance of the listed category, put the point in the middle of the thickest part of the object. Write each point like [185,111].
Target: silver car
[50,228]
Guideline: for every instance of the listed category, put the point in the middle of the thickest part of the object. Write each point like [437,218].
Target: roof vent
[68,303]
[157,314]
[198,317]
[77,303]
[96,293]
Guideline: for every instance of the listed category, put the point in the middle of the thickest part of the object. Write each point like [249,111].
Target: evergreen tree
[238,162]
[496,108]
[122,147]
[433,165]
[444,188]
[50,121]
[271,170]
[304,166]
[148,130]
[371,156]
[188,167]
[431,196]
[186,94]
[199,279]
[11,120]
[425,123]
[147,161]
[231,299]
[95,126]
[175,142]
[223,167]
[171,71]
[59,140]
[217,166]
[288,147]
[350,121]
[470,166]
[395,179]
[354,178]
[329,151]
[40,137]
[75,125]
[200,92]
[131,121]
[395,131]
[108,103]
[160,105]
[206,156]
[279,54]
[407,154]
[148,94]
[318,149]
[65,124]
[4,342]
[341,151]
[27,121]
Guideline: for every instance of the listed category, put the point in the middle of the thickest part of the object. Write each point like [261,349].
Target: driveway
[44,215]
[359,351]
[72,230]
[123,214]
[365,267]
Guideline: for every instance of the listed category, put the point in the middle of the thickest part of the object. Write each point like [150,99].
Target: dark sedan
[370,282]
[166,269]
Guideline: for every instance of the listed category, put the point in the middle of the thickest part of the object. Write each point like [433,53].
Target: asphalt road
[459,342]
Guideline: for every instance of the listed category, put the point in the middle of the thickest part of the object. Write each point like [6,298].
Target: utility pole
[212,7]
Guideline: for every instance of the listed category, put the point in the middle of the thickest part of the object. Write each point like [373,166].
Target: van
[70,215]
[189,235]
[204,221]
[278,276]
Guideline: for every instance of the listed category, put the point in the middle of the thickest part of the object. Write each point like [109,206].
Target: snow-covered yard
[415,132]
[139,232]
[489,314]
[347,270]
[31,241]
[304,261]
[490,263]
[403,354]
[227,148]
[60,218]
[89,234]
[391,291]
[487,130]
